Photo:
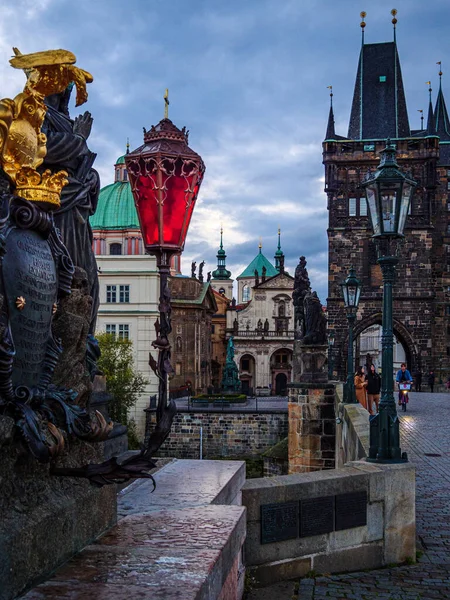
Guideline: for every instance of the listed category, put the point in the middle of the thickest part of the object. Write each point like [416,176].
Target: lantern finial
[166,104]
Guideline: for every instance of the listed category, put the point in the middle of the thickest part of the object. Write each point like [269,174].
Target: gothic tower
[221,280]
[421,292]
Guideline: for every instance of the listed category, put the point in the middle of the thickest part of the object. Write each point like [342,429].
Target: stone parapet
[386,535]
[312,425]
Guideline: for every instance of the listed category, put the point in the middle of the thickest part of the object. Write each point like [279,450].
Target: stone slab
[369,556]
[173,554]
[281,570]
[184,483]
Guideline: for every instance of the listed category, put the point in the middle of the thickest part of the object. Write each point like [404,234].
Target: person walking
[418,380]
[373,388]
[360,387]
[403,376]
[431,380]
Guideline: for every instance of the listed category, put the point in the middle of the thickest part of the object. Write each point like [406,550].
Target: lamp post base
[385,438]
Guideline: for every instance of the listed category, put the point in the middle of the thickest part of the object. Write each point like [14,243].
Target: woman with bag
[360,387]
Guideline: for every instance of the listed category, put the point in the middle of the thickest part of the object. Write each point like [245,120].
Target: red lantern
[165,176]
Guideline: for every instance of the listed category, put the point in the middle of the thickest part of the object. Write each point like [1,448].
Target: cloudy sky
[249,80]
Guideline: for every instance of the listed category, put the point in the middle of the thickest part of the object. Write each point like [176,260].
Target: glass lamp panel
[389,198]
[404,205]
[358,293]
[352,292]
[147,209]
[371,192]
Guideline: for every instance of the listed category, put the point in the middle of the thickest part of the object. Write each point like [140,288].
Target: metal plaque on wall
[316,516]
[351,510]
[279,522]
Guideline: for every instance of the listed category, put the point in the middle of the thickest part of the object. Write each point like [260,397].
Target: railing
[262,333]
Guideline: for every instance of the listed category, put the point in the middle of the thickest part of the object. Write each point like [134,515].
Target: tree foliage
[123,382]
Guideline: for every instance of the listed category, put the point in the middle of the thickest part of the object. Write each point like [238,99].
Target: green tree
[123,382]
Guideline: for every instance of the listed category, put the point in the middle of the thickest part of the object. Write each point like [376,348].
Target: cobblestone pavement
[425,435]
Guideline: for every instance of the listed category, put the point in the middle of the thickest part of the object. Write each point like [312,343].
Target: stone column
[312,423]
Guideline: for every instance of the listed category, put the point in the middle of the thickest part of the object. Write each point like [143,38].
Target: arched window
[281,309]
[246,293]
[179,344]
[115,249]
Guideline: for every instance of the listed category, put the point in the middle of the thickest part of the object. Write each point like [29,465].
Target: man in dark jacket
[373,388]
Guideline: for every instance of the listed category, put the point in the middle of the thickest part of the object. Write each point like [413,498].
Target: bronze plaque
[29,278]
[351,510]
[316,516]
[279,522]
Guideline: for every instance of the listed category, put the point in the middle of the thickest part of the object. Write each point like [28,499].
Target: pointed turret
[431,129]
[221,272]
[331,133]
[441,114]
[279,255]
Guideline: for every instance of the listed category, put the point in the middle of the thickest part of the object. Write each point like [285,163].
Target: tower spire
[279,255]
[221,272]
[166,104]
[330,133]
[440,112]
[431,130]
[362,14]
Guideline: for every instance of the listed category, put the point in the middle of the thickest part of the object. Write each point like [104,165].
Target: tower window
[382,78]
[357,207]
[352,207]
[221,290]
[246,293]
[115,249]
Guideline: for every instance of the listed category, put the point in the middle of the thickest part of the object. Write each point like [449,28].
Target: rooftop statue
[302,287]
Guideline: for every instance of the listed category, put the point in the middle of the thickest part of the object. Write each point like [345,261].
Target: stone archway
[400,332]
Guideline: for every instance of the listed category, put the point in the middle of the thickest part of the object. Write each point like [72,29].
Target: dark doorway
[245,386]
[280,384]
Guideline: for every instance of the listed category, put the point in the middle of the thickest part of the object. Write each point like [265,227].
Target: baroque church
[422,290]
[261,321]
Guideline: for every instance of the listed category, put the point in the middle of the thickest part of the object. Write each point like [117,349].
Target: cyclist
[403,376]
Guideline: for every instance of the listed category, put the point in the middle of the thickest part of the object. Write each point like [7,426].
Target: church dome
[257,264]
[115,208]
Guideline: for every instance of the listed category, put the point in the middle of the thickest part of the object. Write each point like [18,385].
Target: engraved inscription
[316,516]
[351,510]
[29,271]
[279,522]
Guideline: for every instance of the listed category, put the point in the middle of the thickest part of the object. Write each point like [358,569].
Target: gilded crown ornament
[22,143]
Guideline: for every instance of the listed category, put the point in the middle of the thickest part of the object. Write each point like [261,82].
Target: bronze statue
[193,267]
[200,271]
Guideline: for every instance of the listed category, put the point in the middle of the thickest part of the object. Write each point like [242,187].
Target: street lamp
[351,291]
[165,177]
[330,355]
[389,194]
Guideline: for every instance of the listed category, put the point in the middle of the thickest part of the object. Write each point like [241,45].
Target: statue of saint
[193,267]
[67,149]
[315,321]
[200,271]
[302,287]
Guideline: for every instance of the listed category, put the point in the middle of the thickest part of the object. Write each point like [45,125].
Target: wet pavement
[425,436]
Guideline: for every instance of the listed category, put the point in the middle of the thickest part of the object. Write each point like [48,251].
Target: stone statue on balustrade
[302,287]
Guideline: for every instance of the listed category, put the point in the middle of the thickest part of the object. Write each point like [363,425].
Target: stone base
[313,363]
[45,520]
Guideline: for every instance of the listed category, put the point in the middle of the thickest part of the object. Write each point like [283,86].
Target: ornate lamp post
[351,291]
[165,177]
[388,194]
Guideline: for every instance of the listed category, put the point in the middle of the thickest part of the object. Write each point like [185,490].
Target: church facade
[421,305]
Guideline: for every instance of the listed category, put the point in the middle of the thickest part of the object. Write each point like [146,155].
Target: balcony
[258,333]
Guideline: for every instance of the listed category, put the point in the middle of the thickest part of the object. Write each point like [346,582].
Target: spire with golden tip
[394,22]
[440,112]
[363,15]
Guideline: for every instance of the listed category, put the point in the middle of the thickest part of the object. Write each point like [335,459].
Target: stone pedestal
[310,363]
[44,520]
[312,426]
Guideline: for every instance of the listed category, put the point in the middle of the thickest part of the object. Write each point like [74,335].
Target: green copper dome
[115,208]
[120,160]
[257,264]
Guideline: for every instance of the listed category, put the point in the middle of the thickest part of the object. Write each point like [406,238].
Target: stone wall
[388,535]
[312,425]
[224,433]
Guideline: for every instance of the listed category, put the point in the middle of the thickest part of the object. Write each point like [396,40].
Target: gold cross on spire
[166,104]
